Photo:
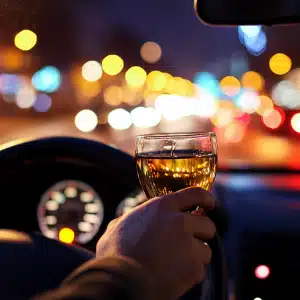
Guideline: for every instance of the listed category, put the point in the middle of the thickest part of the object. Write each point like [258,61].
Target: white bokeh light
[86,120]
[25,97]
[174,107]
[248,102]
[92,71]
[145,117]
[286,94]
[206,105]
[119,119]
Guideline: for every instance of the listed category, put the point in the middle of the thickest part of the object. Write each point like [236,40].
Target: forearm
[106,279]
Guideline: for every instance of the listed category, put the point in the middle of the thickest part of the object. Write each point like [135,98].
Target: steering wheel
[31,263]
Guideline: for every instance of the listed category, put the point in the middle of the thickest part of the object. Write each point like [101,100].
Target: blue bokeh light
[239,65]
[250,31]
[10,84]
[255,41]
[43,103]
[48,79]
[207,82]
[258,45]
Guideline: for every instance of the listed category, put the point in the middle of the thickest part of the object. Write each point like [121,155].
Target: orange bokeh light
[253,80]
[274,119]
[230,86]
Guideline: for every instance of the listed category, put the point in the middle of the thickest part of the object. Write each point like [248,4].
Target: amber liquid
[161,175]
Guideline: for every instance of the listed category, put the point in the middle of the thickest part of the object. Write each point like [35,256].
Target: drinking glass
[169,162]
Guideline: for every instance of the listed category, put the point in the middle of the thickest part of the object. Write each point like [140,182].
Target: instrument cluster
[72,211]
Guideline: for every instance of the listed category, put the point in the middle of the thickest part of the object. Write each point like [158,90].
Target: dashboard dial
[130,202]
[70,211]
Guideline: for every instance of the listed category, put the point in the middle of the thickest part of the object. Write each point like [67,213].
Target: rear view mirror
[248,12]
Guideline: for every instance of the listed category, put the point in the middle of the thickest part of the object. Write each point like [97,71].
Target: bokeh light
[42,103]
[170,82]
[113,95]
[91,71]
[294,77]
[206,104]
[248,101]
[239,64]
[25,40]
[25,97]
[280,64]
[87,89]
[112,64]
[251,31]
[230,86]
[66,235]
[234,133]
[295,122]
[119,119]
[266,105]
[145,117]
[48,79]
[12,59]
[132,96]
[266,147]
[180,86]
[86,120]
[9,84]
[151,52]
[207,82]
[274,119]
[173,107]
[136,77]
[156,81]
[254,39]
[286,94]
[262,272]
[222,118]
[253,80]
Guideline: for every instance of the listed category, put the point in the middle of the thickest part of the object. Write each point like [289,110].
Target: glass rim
[176,135]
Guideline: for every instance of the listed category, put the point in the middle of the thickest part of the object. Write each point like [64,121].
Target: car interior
[80,80]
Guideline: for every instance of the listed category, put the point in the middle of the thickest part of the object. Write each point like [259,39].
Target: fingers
[204,251]
[203,255]
[200,226]
[190,198]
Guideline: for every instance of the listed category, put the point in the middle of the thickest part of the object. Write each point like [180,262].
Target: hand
[166,241]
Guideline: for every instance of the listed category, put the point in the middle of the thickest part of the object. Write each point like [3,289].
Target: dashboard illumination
[70,211]
[66,235]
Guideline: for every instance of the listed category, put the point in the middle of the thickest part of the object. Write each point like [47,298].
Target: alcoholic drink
[161,175]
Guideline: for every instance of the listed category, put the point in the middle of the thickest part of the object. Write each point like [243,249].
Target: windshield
[110,70]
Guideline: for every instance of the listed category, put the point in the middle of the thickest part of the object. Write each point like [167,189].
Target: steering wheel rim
[93,152]
[90,151]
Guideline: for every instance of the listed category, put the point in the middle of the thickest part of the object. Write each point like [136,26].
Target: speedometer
[70,211]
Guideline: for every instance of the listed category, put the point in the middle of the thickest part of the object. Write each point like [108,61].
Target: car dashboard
[65,198]
[73,199]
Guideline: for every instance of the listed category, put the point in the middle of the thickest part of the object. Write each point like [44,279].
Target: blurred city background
[109,72]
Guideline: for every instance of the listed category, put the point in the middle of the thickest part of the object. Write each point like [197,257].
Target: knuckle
[112,223]
[162,202]
[205,196]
